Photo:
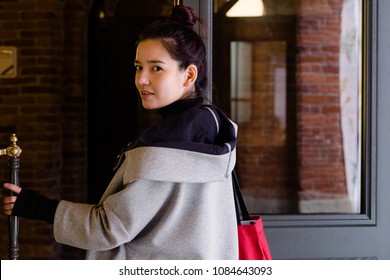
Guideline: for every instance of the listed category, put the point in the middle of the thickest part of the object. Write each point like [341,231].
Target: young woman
[171,196]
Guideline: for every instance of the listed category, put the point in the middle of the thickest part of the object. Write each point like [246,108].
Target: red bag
[252,241]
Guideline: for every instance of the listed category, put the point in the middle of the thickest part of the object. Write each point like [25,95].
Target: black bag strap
[239,200]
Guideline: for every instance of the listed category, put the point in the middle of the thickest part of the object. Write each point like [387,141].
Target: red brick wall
[321,167]
[265,161]
[45,105]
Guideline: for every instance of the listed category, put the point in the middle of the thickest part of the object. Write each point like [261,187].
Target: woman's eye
[156,68]
[138,67]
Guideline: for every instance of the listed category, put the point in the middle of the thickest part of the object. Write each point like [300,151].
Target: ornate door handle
[13,152]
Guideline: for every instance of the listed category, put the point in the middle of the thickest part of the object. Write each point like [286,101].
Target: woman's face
[158,77]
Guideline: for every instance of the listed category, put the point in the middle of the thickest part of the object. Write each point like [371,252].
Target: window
[295,91]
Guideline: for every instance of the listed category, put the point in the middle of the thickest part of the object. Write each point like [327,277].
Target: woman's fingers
[14,188]
[8,202]
[10,199]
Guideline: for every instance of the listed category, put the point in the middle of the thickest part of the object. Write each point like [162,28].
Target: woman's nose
[142,78]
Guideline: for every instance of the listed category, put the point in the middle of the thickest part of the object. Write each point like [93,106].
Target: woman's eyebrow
[153,61]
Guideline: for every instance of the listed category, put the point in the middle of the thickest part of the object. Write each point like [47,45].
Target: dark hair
[181,41]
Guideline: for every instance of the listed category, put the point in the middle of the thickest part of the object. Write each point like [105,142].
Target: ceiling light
[246,8]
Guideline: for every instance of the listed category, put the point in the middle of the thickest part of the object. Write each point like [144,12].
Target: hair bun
[183,15]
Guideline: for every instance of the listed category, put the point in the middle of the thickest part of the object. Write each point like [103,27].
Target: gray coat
[162,203]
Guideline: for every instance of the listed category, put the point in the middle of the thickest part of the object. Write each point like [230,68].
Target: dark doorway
[115,116]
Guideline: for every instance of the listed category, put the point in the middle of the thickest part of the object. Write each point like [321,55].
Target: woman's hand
[10,200]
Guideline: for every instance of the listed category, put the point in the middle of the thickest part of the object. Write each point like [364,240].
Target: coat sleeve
[117,220]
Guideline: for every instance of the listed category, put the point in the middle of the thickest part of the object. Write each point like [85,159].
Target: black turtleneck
[180,106]
[183,121]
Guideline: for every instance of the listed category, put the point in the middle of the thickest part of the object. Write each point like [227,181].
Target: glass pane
[295,91]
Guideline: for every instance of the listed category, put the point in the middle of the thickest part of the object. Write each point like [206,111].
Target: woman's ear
[192,75]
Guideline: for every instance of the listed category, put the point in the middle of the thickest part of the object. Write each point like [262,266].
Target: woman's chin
[148,105]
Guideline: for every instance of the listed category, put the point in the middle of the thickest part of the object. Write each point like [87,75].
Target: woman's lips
[145,92]
[146,95]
